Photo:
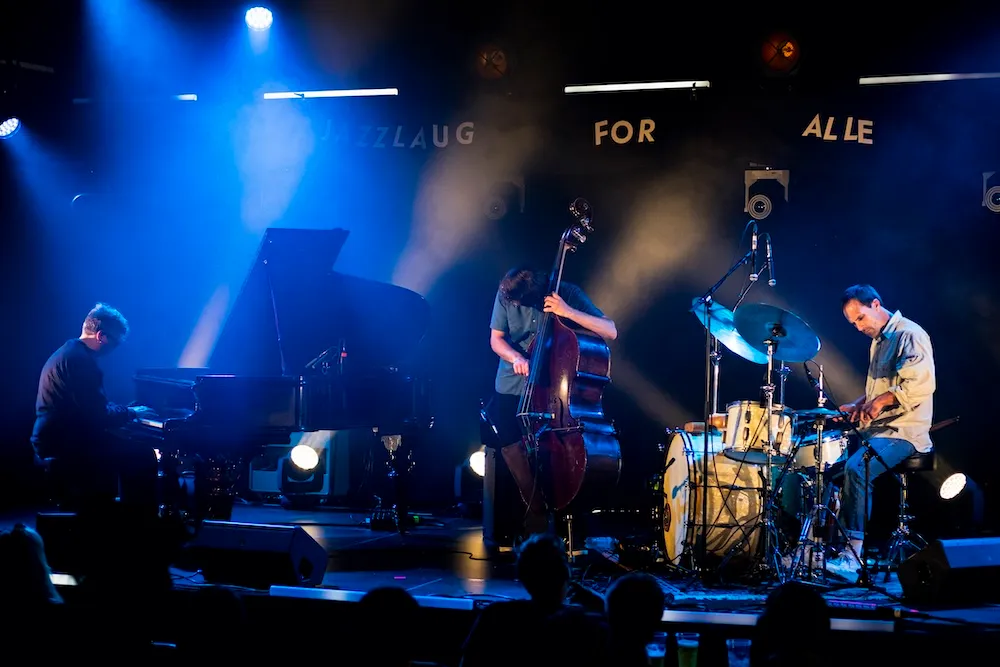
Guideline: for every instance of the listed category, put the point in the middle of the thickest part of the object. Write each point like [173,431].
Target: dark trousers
[512,495]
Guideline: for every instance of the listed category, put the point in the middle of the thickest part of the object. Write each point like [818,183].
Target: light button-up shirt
[901,361]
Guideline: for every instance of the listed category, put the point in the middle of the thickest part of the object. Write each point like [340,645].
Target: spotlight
[304,457]
[991,194]
[766,185]
[959,502]
[477,461]
[780,54]
[492,62]
[503,198]
[954,485]
[259,18]
[9,127]
[469,476]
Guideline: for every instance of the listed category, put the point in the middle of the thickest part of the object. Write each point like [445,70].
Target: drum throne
[904,541]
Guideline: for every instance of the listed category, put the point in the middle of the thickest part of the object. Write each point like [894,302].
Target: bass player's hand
[521,366]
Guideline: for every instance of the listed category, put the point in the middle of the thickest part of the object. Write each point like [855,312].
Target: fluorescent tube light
[636,86]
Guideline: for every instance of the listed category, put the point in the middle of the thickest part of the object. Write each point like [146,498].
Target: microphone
[809,376]
[770,261]
[753,255]
[816,384]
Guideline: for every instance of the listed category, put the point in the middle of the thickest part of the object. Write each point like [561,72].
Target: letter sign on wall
[828,131]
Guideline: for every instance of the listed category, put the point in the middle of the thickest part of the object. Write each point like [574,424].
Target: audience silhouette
[634,608]
[794,628]
[544,629]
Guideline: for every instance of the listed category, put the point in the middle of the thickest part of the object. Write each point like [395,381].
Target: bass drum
[734,502]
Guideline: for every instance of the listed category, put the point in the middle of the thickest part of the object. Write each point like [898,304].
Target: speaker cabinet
[256,555]
[503,512]
[953,572]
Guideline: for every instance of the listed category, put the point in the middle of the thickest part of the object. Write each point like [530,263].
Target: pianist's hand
[143,412]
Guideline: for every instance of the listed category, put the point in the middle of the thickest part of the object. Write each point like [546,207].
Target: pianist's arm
[83,380]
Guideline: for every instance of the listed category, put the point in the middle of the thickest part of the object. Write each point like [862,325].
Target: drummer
[895,412]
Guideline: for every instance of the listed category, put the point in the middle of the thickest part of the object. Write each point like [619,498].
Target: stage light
[315,94]
[761,186]
[991,193]
[636,86]
[304,457]
[780,54]
[492,62]
[925,78]
[9,127]
[259,18]
[469,480]
[477,461]
[954,485]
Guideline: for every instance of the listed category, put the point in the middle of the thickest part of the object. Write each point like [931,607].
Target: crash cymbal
[793,339]
[720,323]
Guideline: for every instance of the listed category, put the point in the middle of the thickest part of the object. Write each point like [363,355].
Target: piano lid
[293,306]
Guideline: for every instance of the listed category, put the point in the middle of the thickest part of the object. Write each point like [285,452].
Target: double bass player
[517,308]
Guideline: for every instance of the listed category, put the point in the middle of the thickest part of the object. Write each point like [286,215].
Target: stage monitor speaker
[952,572]
[503,511]
[256,555]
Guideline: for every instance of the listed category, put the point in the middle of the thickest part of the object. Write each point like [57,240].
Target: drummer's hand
[554,304]
[872,409]
[520,366]
[852,411]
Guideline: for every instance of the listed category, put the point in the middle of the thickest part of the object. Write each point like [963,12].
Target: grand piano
[305,348]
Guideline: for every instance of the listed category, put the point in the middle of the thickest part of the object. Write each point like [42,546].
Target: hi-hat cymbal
[720,322]
[793,339]
[815,413]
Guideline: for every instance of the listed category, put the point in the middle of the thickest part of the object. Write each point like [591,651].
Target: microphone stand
[712,358]
[865,578]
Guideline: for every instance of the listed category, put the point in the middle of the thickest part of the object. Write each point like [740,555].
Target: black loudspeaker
[256,555]
[950,572]
[503,511]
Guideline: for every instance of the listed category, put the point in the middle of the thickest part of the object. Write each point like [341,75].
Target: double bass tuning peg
[581,210]
[579,235]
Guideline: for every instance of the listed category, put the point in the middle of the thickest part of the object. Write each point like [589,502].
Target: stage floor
[444,563]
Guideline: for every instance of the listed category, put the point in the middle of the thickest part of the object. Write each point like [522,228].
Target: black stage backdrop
[883,185]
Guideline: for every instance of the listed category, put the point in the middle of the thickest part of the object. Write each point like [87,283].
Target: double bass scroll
[574,446]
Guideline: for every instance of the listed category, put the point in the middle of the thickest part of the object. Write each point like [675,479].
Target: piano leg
[400,464]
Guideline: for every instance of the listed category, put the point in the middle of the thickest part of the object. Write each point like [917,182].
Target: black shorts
[503,427]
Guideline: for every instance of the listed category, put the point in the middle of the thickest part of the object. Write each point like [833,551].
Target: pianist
[74,434]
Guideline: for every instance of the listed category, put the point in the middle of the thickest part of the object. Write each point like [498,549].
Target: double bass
[573,446]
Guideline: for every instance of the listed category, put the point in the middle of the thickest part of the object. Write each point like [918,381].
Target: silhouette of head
[796,621]
[24,569]
[543,569]
[634,605]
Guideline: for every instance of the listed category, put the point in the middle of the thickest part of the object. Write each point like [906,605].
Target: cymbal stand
[865,576]
[811,545]
[712,358]
[770,564]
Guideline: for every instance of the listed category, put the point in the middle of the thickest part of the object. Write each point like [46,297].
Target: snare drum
[745,436]
[833,450]
[734,500]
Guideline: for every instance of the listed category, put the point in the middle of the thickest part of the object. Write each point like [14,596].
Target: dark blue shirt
[72,411]
[520,323]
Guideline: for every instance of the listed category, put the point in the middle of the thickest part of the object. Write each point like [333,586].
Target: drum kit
[725,480]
